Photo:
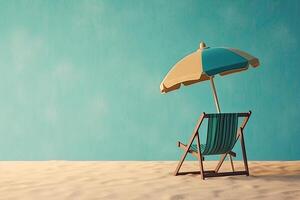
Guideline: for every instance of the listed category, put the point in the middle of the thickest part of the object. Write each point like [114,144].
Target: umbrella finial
[202,45]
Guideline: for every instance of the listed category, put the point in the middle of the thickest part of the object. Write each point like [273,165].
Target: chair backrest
[221,133]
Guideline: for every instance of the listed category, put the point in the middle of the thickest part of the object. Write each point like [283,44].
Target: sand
[143,180]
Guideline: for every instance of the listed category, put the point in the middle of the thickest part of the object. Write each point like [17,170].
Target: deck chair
[222,134]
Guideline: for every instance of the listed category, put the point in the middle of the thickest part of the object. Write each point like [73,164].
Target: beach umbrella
[204,64]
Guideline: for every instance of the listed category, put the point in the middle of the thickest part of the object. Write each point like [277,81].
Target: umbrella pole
[215,93]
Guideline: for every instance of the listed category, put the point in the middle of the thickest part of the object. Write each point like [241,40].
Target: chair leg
[244,153]
[230,158]
[180,162]
[184,154]
[200,157]
[202,169]
[195,132]
[220,162]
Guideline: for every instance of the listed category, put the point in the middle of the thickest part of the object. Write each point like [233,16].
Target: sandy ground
[144,180]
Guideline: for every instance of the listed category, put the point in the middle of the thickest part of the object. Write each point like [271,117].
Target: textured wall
[80,79]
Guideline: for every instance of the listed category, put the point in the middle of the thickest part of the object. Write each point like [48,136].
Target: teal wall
[80,79]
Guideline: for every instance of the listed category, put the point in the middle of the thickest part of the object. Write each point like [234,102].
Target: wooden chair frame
[200,158]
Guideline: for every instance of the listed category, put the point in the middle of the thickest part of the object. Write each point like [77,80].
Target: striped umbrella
[204,64]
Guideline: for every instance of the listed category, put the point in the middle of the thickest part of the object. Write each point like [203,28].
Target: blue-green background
[80,79]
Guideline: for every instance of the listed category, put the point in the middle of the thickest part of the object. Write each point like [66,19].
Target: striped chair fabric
[221,134]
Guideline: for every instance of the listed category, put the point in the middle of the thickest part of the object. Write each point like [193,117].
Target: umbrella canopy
[204,64]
